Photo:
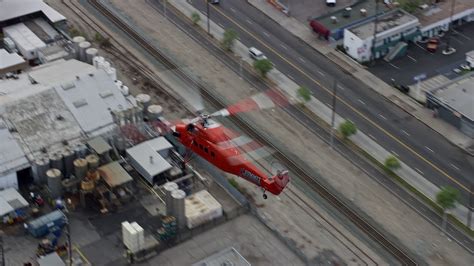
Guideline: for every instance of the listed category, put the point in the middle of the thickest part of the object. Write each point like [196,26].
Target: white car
[256,54]
[331,3]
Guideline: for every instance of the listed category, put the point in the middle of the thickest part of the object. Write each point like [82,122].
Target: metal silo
[92,161]
[80,150]
[56,160]
[90,54]
[68,158]
[154,112]
[54,182]
[83,46]
[76,41]
[178,207]
[169,187]
[143,101]
[80,168]
[40,166]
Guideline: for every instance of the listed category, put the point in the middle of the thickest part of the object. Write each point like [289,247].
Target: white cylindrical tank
[90,54]
[41,165]
[54,182]
[92,161]
[83,46]
[112,73]
[154,112]
[68,158]
[143,101]
[76,41]
[56,160]
[178,207]
[97,61]
[80,168]
[169,187]
[124,90]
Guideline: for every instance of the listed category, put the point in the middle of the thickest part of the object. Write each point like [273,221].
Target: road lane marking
[284,47]
[249,22]
[383,117]
[370,135]
[394,153]
[414,60]
[428,148]
[266,34]
[455,167]
[362,102]
[220,24]
[394,65]
[233,10]
[404,132]
[341,100]
[301,59]
[341,87]
[321,73]
[419,171]
[291,77]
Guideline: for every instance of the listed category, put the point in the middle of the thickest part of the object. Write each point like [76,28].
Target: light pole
[164,7]
[372,54]
[449,49]
[208,18]
[333,116]
[240,67]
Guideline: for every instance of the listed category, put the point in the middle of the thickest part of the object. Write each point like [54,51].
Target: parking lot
[419,61]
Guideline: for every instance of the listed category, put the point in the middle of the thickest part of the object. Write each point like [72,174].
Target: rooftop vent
[347,12]
[79,103]
[333,19]
[363,12]
[106,94]
[67,86]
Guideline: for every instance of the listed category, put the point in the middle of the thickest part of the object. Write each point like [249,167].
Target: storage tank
[118,83]
[97,60]
[178,197]
[154,112]
[106,65]
[40,166]
[83,46]
[56,161]
[68,158]
[80,168]
[143,101]
[112,73]
[90,54]
[124,90]
[87,190]
[93,175]
[80,150]
[92,161]
[54,182]
[169,187]
[76,41]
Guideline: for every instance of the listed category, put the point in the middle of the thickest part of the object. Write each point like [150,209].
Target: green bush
[195,17]
[263,66]
[233,183]
[304,93]
[229,38]
[392,163]
[347,128]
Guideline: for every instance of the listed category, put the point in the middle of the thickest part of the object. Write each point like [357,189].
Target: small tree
[263,66]
[304,94]
[195,18]
[228,40]
[98,37]
[410,5]
[392,163]
[447,198]
[347,128]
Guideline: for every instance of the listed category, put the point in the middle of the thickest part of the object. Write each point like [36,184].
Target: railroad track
[401,255]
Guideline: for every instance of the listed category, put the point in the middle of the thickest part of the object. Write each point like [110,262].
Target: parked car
[331,3]
[432,45]
[256,54]
[466,67]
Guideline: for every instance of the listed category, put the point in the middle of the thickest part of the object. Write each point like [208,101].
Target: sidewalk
[405,102]
[324,112]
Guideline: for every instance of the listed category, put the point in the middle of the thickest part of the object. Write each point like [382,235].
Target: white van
[256,54]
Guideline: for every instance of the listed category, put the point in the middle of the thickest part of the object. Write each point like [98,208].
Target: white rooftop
[60,71]
[8,60]
[11,154]
[10,9]
[159,144]
[148,158]
[23,37]
[11,200]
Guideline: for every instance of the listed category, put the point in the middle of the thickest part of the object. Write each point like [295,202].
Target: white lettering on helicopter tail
[249,176]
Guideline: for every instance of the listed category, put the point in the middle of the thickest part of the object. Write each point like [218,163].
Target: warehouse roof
[60,71]
[159,144]
[99,145]
[228,256]
[8,60]
[52,259]
[114,174]
[23,37]
[11,154]
[10,9]
[11,200]
[148,158]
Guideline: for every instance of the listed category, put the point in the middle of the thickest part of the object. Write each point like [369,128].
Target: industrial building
[454,103]
[14,11]
[12,204]
[228,256]
[386,36]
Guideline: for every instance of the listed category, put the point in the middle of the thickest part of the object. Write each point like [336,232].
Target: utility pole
[240,68]
[208,18]
[450,29]
[471,203]
[164,7]
[372,49]
[333,117]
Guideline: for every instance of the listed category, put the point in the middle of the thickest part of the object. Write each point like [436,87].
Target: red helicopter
[226,149]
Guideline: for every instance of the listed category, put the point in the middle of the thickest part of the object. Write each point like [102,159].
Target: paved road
[397,131]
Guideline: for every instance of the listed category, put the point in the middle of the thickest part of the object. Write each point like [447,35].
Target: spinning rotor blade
[265,100]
